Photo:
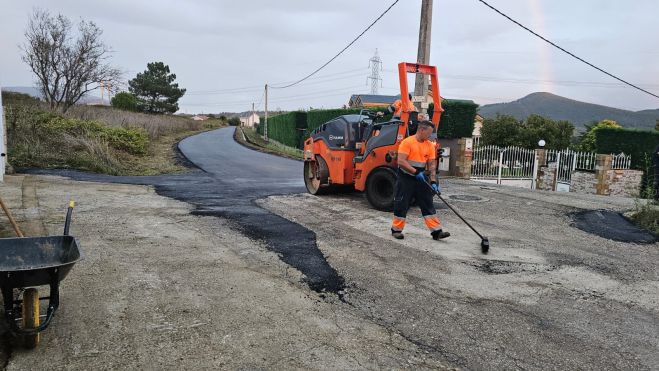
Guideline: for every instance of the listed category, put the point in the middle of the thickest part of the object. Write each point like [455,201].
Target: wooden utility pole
[265,127]
[423,54]
[3,140]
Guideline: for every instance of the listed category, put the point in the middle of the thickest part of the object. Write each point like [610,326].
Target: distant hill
[578,113]
[29,90]
[34,92]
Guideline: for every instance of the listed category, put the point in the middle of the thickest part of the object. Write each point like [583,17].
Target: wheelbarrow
[25,264]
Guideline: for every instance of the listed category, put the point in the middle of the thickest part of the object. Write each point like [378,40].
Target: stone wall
[546,178]
[583,182]
[624,183]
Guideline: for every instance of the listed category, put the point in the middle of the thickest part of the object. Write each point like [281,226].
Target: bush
[287,128]
[634,142]
[131,140]
[124,101]
[457,120]
[234,121]
[640,144]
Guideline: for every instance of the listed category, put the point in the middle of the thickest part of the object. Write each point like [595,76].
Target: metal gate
[503,163]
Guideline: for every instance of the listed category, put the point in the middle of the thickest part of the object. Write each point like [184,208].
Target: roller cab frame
[355,152]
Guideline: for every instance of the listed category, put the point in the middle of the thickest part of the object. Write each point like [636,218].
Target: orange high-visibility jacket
[398,107]
[418,153]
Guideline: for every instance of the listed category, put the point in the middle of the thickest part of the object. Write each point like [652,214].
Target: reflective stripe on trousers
[398,224]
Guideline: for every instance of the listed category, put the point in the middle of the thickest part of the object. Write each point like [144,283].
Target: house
[371,100]
[478,125]
[200,117]
[250,119]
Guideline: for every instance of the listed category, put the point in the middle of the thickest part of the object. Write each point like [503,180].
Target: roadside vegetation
[646,213]
[95,138]
[254,139]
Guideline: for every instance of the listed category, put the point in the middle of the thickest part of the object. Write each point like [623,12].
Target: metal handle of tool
[67,222]
[452,209]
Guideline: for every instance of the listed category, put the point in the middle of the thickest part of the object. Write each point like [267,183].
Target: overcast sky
[224,51]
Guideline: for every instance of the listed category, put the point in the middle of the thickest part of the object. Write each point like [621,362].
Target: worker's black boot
[438,235]
[397,235]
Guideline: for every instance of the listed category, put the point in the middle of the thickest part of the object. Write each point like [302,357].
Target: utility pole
[375,63]
[252,118]
[423,54]
[3,143]
[265,125]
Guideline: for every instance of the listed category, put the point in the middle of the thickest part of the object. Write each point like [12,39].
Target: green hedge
[316,118]
[287,128]
[457,122]
[634,142]
[640,144]
[458,118]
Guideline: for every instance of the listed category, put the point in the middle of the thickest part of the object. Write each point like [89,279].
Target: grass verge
[254,140]
[97,139]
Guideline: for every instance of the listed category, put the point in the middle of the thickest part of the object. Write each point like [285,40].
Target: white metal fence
[621,161]
[505,163]
[492,162]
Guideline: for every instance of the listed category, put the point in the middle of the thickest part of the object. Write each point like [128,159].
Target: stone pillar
[603,164]
[465,155]
[541,158]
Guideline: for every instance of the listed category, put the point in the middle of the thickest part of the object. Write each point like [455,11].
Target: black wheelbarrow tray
[28,262]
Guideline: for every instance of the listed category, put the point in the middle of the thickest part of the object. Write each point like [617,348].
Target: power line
[567,52]
[341,52]
[247,89]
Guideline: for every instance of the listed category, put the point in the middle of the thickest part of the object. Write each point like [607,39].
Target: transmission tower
[375,64]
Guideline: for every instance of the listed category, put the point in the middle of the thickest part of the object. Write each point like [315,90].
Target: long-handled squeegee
[485,243]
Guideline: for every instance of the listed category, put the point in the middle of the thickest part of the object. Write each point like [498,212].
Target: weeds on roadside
[272,145]
[646,213]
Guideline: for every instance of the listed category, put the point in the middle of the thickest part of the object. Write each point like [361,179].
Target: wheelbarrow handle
[67,222]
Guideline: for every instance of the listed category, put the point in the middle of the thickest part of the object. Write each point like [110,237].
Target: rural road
[218,292]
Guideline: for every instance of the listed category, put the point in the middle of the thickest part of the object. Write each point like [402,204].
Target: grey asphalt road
[217,153]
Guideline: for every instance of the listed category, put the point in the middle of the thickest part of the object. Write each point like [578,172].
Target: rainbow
[539,24]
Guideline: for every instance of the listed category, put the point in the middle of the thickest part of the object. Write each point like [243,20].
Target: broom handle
[11,219]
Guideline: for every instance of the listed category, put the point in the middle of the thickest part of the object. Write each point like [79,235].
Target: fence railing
[621,162]
[502,163]
[493,162]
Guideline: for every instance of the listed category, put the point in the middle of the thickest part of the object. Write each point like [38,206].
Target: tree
[506,131]
[587,142]
[557,134]
[124,101]
[234,121]
[501,131]
[67,64]
[155,89]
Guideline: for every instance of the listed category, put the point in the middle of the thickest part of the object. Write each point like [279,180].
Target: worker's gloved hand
[379,114]
[420,175]
[435,187]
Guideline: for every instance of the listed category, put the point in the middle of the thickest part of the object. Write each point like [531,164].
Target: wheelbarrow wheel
[31,316]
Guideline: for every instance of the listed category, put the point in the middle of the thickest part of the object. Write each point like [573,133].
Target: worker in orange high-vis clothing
[416,154]
[397,107]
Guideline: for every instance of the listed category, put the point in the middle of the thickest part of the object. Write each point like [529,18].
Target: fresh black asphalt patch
[294,244]
[612,226]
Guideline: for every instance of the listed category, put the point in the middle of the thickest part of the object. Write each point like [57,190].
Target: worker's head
[425,129]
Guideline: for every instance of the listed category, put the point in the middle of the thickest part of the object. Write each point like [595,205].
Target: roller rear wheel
[380,188]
